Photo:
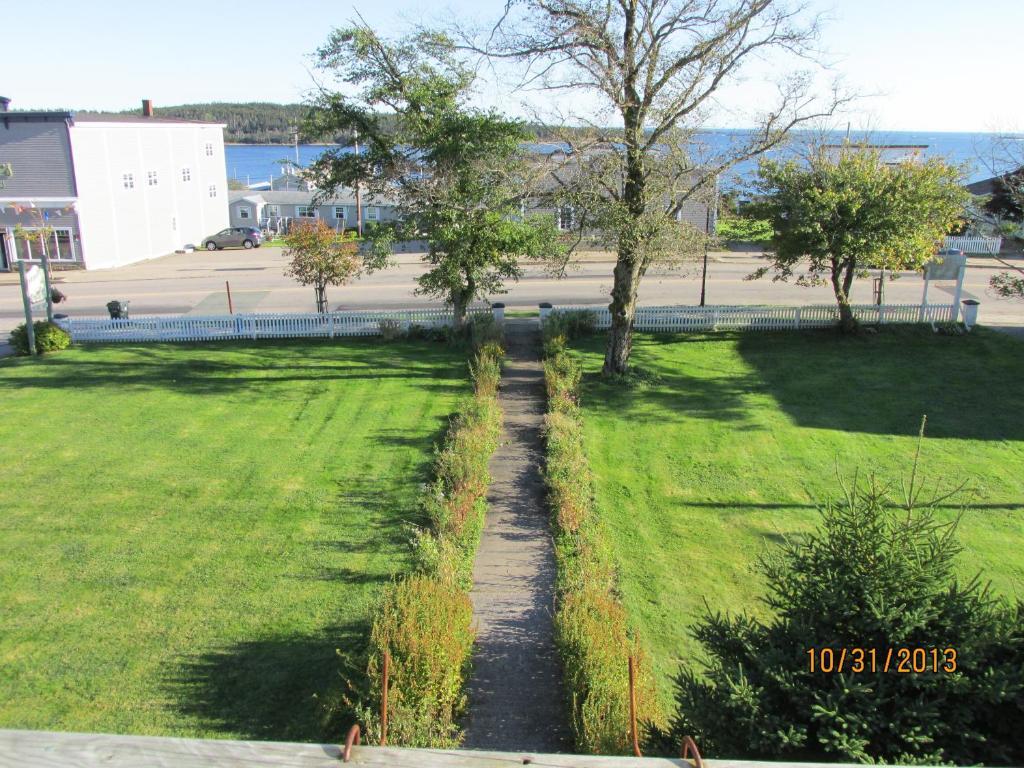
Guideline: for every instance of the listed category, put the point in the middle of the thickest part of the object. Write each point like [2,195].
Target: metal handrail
[352,738]
[690,750]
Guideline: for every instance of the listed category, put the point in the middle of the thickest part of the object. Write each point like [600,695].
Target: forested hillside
[259,122]
[251,123]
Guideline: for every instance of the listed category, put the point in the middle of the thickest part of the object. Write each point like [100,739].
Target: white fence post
[798,317]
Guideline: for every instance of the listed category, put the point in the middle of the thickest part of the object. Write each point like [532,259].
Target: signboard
[945,267]
[36,283]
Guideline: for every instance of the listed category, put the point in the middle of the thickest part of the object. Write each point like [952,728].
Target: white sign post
[946,267]
[31,282]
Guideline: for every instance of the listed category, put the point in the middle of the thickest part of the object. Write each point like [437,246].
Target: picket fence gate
[718,318]
[253,326]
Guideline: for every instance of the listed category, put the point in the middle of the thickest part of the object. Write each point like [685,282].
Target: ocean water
[252,163]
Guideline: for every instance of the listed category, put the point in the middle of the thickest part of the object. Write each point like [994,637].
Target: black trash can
[118,310]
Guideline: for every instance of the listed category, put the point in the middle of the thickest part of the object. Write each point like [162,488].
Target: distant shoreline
[290,146]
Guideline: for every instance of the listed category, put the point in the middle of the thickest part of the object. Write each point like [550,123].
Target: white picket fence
[989,245]
[766,318]
[252,326]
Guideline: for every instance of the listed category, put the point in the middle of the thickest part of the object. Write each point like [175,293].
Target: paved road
[194,283]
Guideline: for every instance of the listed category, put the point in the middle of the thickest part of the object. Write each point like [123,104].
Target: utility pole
[359,202]
[704,273]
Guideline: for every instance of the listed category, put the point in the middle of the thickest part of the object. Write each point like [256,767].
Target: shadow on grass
[670,389]
[280,688]
[228,366]
[970,387]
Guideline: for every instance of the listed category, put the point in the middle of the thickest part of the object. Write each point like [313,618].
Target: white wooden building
[114,189]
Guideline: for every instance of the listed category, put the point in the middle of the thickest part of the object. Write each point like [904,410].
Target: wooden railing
[45,749]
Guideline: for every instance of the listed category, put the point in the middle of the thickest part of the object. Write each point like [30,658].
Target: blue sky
[938,65]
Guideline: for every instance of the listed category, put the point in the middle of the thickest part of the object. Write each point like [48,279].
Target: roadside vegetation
[740,228]
[720,446]
[193,538]
[592,629]
[839,212]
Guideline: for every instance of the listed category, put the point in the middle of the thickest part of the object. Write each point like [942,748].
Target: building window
[244,212]
[271,210]
[60,246]
[128,180]
[373,213]
[339,212]
[565,217]
[305,211]
[151,178]
[186,174]
[209,150]
[213,190]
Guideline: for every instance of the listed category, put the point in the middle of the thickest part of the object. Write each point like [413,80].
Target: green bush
[562,327]
[425,624]
[50,337]
[872,576]
[562,376]
[591,626]
[485,368]
[454,502]
[483,329]
[744,229]
[390,329]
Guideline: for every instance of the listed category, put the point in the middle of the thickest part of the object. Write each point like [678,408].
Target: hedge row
[592,630]
[424,621]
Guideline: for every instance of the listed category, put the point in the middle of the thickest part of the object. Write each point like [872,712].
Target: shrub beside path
[516,695]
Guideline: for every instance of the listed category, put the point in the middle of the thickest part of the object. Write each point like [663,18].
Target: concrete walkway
[516,697]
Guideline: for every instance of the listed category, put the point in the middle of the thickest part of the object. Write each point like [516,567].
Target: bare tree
[1004,208]
[658,66]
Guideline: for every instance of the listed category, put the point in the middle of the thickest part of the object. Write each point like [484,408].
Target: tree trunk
[847,322]
[321,298]
[629,260]
[460,306]
[842,282]
[623,309]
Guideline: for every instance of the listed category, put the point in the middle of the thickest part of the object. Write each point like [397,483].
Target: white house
[115,189]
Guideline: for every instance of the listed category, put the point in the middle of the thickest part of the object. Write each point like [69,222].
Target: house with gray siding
[275,210]
[109,190]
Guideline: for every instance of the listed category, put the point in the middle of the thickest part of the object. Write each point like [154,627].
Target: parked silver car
[239,237]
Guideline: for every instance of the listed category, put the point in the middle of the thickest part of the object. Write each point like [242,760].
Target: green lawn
[738,437]
[191,536]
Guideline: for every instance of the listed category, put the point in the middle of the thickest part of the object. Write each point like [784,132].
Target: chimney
[147,108]
[4,103]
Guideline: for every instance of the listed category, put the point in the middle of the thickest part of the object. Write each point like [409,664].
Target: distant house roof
[45,115]
[983,187]
[298,197]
